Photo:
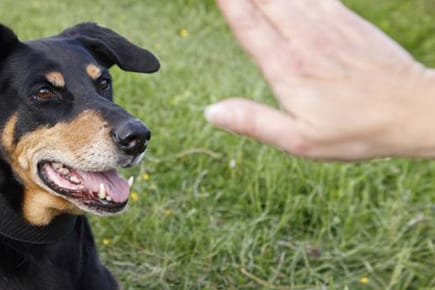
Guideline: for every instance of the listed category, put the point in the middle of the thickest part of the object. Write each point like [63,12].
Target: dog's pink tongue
[116,186]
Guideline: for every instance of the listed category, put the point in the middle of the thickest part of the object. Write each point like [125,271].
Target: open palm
[347,90]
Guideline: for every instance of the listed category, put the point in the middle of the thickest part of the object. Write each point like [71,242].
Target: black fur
[71,262]
[112,49]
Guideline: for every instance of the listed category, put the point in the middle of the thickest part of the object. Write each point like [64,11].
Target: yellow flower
[167,212]
[134,196]
[107,242]
[183,32]
[146,176]
[364,280]
[153,186]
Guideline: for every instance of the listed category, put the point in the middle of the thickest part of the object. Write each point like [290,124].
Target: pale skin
[347,91]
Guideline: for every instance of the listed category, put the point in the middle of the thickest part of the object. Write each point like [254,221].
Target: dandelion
[364,280]
[134,196]
[107,242]
[232,164]
[167,212]
[183,32]
[146,176]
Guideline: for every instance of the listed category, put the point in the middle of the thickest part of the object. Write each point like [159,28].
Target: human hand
[347,90]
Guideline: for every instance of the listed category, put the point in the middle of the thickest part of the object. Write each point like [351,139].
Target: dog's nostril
[131,137]
[130,142]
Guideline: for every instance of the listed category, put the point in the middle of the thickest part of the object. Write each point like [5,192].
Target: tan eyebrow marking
[93,71]
[56,79]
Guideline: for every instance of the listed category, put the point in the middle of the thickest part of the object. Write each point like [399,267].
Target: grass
[217,211]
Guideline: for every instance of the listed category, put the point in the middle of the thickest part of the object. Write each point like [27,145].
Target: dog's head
[61,134]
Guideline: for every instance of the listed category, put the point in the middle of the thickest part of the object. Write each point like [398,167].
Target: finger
[283,132]
[279,36]
[268,48]
[258,121]
[359,32]
[309,24]
[287,17]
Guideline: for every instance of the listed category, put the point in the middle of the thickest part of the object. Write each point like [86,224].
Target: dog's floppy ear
[8,41]
[111,48]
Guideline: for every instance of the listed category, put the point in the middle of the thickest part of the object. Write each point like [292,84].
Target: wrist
[418,131]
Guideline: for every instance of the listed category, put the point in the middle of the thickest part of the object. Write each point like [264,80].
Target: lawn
[211,210]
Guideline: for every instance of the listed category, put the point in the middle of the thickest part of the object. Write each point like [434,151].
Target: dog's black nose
[131,137]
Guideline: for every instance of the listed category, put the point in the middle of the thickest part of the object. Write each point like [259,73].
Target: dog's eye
[104,84]
[44,94]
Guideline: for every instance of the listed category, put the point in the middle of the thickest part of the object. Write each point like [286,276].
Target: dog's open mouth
[101,192]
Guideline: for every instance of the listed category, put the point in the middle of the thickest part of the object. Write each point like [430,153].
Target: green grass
[271,221]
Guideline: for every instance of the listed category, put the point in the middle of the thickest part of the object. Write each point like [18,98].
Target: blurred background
[210,210]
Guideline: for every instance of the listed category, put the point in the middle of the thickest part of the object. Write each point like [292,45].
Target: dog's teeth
[56,165]
[74,179]
[63,171]
[102,193]
[108,198]
[130,181]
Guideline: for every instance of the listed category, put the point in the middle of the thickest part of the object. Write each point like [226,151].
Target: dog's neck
[12,223]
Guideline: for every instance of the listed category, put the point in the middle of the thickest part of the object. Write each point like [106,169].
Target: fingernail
[215,113]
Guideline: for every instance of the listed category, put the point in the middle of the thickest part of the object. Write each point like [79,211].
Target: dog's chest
[72,264]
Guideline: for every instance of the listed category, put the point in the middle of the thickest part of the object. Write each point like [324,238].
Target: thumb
[258,121]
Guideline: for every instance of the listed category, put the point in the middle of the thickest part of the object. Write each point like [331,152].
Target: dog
[62,140]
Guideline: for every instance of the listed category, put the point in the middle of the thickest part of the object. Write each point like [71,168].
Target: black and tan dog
[62,139]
